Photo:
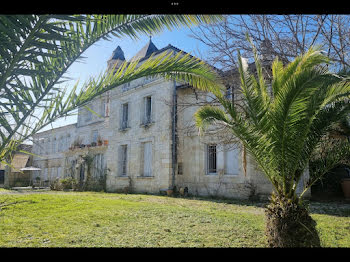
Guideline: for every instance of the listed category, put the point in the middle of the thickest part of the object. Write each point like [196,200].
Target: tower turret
[116,59]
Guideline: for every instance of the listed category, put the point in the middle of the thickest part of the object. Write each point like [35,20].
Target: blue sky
[98,54]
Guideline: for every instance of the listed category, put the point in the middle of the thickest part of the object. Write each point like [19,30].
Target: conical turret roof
[118,54]
[147,50]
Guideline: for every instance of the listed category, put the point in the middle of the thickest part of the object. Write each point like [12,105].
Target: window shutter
[120,160]
[152,109]
[231,159]
[121,116]
[145,110]
[127,115]
[107,105]
[147,159]
[142,111]
[103,107]
[220,157]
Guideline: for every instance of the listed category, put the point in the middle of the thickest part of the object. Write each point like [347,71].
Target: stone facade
[138,123]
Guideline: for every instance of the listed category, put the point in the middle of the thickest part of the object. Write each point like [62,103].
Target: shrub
[55,184]
[69,183]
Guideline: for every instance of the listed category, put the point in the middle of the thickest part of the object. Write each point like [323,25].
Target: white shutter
[103,107]
[59,172]
[144,121]
[147,159]
[220,157]
[45,174]
[232,160]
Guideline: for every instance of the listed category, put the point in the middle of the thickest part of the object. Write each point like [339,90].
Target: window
[106,105]
[41,148]
[211,152]
[94,136]
[231,159]
[60,144]
[147,159]
[103,107]
[147,110]
[45,175]
[47,147]
[125,115]
[59,172]
[67,142]
[88,115]
[54,145]
[123,160]
[179,169]
[98,166]
[53,172]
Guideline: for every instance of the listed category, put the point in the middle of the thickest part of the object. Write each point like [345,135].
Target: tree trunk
[288,224]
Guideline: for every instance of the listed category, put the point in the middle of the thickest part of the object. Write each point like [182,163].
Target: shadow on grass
[334,207]
[241,202]
[328,206]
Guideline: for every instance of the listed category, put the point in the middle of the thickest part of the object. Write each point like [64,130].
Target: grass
[89,219]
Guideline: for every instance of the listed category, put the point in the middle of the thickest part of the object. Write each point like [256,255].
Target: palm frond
[37,50]
[281,129]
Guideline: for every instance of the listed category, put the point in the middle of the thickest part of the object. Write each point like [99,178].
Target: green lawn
[88,219]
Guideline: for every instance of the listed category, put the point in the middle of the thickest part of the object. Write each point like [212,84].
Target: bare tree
[285,36]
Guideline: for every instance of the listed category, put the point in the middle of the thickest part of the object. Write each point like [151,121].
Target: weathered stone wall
[245,182]
[158,132]
[52,161]
[109,128]
[248,182]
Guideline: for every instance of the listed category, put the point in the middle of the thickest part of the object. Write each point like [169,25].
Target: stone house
[19,172]
[149,142]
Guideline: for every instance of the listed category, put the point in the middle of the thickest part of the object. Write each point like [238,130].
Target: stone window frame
[211,170]
[124,118]
[143,110]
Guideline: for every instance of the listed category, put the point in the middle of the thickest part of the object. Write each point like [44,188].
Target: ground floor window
[232,164]
[147,158]
[123,160]
[98,165]
[211,158]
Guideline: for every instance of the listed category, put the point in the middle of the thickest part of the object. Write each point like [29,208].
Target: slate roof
[118,54]
[146,51]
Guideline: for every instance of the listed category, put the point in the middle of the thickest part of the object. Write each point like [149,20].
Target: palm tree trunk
[288,224]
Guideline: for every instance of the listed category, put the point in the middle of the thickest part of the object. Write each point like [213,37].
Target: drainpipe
[173,137]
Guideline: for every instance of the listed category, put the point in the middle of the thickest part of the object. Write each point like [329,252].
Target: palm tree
[280,124]
[37,50]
